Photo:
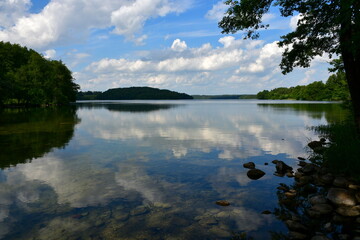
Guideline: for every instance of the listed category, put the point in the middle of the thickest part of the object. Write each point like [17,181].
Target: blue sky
[169,44]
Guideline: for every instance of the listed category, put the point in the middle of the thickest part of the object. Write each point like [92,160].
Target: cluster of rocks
[321,205]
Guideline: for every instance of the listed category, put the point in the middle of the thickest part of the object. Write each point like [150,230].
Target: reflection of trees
[30,133]
[332,112]
[126,107]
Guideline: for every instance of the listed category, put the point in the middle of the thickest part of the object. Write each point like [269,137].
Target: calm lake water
[149,170]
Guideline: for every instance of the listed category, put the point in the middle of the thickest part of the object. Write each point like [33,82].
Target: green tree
[325,26]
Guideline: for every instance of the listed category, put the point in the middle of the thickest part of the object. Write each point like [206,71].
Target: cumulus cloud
[11,11]
[236,65]
[50,54]
[178,45]
[62,21]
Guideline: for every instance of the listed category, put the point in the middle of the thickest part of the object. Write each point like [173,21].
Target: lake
[150,169]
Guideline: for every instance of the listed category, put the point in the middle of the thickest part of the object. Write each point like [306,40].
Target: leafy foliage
[335,89]
[27,78]
[140,93]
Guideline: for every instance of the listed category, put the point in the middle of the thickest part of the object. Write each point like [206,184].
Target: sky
[167,44]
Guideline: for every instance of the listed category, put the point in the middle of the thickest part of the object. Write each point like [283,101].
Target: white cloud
[178,45]
[294,21]
[238,66]
[50,54]
[217,12]
[64,21]
[11,11]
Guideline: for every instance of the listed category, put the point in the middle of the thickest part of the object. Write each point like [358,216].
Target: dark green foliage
[141,93]
[89,95]
[344,150]
[27,78]
[335,89]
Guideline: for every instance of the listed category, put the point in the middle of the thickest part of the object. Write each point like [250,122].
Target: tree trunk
[351,54]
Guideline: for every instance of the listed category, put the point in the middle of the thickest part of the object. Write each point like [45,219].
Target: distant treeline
[243,96]
[27,78]
[133,93]
[335,89]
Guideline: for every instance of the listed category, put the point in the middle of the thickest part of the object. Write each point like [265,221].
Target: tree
[324,26]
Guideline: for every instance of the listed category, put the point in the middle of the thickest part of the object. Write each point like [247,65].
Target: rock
[298,175]
[290,195]
[250,165]
[297,235]
[313,213]
[347,211]
[295,226]
[315,144]
[354,187]
[266,212]
[208,221]
[319,237]
[222,203]
[302,164]
[289,174]
[282,167]
[255,174]
[341,196]
[341,219]
[358,220]
[275,161]
[309,168]
[318,199]
[322,208]
[139,211]
[305,179]
[266,163]
[357,196]
[301,158]
[327,178]
[341,182]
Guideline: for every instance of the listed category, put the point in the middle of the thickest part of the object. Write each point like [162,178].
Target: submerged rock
[249,165]
[322,208]
[346,211]
[255,174]
[222,203]
[341,196]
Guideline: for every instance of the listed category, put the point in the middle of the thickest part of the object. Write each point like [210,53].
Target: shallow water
[149,170]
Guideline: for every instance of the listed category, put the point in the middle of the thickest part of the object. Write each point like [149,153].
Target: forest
[335,89]
[133,93]
[27,78]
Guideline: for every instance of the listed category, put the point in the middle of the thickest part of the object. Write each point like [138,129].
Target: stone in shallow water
[322,208]
[341,196]
[318,199]
[249,165]
[222,203]
[295,226]
[255,174]
[349,211]
[340,182]
[297,235]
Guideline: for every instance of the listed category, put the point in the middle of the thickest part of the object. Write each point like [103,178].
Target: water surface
[149,170]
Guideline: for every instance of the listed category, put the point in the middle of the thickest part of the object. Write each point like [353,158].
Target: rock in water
[249,165]
[255,174]
[282,167]
[341,196]
[222,203]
